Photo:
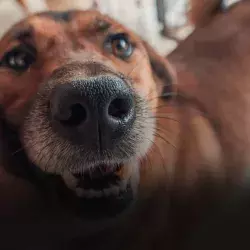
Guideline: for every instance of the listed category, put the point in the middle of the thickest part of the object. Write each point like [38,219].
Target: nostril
[119,108]
[77,116]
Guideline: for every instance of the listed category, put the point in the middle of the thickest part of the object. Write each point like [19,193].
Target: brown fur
[203,11]
[210,134]
[212,68]
[217,80]
[57,42]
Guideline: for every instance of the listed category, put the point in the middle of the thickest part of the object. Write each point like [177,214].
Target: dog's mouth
[102,181]
[102,191]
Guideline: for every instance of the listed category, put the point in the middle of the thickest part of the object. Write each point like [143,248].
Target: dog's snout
[95,110]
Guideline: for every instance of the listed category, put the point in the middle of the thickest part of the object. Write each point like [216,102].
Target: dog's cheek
[15,101]
[144,82]
[17,104]
[16,111]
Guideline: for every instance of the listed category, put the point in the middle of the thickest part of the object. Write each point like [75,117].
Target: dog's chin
[100,192]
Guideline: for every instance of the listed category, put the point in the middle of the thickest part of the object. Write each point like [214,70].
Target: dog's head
[82,91]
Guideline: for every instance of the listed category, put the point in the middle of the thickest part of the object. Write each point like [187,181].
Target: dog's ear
[201,12]
[163,71]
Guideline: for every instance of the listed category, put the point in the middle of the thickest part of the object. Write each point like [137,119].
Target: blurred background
[161,22]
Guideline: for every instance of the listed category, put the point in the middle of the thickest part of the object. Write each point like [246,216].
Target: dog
[81,97]
[66,70]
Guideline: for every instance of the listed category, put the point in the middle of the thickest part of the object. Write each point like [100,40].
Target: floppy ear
[164,72]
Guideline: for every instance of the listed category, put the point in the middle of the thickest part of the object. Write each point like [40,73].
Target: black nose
[95,112]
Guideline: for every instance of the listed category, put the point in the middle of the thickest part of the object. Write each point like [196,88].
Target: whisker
[162,158]
[141,161]
[163,117]
[137,64]
[165,105]
[48,161]
[160,106]
[66,159]
[17,151]
[161,131]
[123,150]
[41,151]
[159,96]
[156,146]
[164,129]
[149,161]
[159,117]
[164,139]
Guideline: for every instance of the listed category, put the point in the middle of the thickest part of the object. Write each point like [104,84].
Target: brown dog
[88,119]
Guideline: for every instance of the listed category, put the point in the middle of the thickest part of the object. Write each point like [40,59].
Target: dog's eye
[119,45]
[19,59]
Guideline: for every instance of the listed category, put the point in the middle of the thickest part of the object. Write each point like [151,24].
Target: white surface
[175,14]
[10,13]
[36,5]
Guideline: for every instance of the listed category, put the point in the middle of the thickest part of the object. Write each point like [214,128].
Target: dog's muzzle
[90,130]
[95,113]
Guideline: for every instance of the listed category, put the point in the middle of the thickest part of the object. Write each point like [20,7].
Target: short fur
[198,133]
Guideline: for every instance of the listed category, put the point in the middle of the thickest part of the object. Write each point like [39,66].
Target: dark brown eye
[19,59]
[119,45]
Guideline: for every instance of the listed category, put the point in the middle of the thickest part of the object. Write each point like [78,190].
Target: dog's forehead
[72,20]
[51,23]
[58,16]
